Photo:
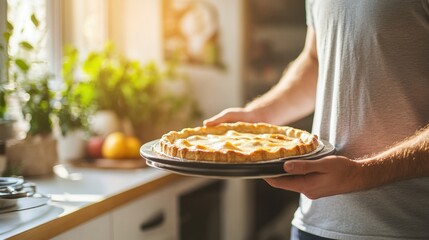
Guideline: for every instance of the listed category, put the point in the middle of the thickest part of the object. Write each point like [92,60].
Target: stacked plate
[17,195]
[273,168]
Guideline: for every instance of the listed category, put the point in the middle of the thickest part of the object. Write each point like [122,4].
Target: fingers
[301,167]
[305,184]
[217,119]
[291,183]
[319,178]
[308,166]
[228,115]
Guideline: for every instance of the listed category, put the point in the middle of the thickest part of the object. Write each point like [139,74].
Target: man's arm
[337,174]
[291,99]
[408,159]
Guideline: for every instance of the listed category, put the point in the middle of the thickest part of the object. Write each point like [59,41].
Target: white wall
[84,24]
[136,28]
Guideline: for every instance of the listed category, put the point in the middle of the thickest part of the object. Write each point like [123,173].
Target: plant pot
[71,146]
[7,129]
[33,156]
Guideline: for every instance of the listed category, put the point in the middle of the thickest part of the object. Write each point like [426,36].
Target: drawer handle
[154,222]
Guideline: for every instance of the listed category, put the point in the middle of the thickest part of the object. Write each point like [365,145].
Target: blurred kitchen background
[155,66]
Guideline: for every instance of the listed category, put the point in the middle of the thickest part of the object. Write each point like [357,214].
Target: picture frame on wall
[191,32]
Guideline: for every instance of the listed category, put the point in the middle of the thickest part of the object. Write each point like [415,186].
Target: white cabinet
[97,228]
[150,217]
[154,216]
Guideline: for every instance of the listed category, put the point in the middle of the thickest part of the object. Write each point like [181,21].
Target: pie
[237,142]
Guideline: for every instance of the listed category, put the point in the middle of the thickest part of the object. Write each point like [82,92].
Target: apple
[94,147]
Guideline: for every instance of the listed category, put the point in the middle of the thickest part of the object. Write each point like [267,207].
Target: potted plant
[102,71]
[135,94]
[73,104]
[36,154]
[7,122]
[8,128]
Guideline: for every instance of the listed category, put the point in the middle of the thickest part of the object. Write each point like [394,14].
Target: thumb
[301,166]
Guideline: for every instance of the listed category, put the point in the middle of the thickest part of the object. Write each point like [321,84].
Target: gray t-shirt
[373,91]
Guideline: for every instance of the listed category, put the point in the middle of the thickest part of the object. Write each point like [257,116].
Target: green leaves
[6,36]
[106,80]
[37,105]
[34,20]
[26,45]
[76,97]
[22,64]
[2,102]
[38,108]
[16,67]
[9,26]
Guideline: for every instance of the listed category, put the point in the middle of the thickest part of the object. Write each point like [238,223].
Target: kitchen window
[30,36]
[33,30]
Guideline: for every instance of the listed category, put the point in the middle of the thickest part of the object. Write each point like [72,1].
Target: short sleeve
[309,13]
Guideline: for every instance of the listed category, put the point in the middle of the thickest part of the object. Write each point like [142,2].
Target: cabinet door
[150,217]
[97,228]
[154,216]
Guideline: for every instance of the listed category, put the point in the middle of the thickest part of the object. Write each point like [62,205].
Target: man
[364,70]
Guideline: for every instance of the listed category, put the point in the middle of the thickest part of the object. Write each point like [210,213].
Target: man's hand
[320,178]
[231,115]
[336,174]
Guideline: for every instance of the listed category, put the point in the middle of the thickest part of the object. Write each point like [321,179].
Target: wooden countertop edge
[61,224]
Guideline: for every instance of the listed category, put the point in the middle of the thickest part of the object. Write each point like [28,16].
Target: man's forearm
[406,160]
[293,97]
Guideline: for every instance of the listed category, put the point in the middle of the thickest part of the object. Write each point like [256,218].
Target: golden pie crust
[238,142]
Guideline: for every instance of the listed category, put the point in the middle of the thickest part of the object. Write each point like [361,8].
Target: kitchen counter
[79,197]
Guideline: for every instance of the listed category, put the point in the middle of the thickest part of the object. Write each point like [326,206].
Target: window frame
[54,41]
[54,37]
[3,19]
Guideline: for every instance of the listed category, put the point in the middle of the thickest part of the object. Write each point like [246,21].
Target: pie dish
[238,143]
[221,170]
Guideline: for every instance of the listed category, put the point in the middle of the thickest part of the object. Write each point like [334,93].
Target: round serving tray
[272,168]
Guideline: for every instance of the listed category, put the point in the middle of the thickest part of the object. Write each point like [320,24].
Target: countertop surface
[78,195]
